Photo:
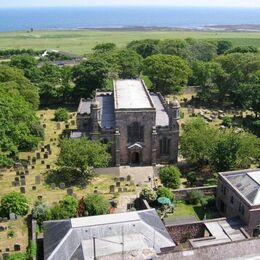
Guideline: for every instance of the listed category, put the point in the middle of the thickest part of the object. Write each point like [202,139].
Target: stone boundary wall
[111,171]
[229,250]
[181,194]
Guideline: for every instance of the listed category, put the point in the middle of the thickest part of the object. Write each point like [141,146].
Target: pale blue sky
[220,3]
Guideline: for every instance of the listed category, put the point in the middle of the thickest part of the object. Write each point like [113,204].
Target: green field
[82,41]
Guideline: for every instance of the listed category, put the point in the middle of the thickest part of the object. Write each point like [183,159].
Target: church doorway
[135,158]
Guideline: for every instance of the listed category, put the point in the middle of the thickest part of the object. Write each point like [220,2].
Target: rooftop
[74,238]
[247,182]
[131,94]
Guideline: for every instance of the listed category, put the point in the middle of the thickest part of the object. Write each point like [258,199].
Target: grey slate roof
[248,183]
[84,106]
[162,118]
[66,239]
[106,103]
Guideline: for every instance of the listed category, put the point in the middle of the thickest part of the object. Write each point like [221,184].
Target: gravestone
[38,179]
[44,125]
[34,188]
[48,166]
[26,172]
[38,155]
[42,162]
[122,179]
[1,219]
[115,179]
[2,228]
[70,191]
[48,147]
[50,152]
[12,216]
[111,188]
[128,178]
[17,183]
[72,122]
[13,183]
[117,184]
[39,197]
[67,126]
[62,185]
[58,126]
[23,182]
[45,156]
[53,186]
[34,160]
[17,179]
[95,191]
[5,219]
[22,189]
[124,189]
[33,167]
[17,247]
[120,190]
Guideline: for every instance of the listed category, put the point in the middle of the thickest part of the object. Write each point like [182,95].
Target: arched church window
[165,145]
[135,132]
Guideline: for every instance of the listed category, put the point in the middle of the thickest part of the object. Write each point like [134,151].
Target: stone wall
[112,171]
[181,233]
[181,194]
[232,250]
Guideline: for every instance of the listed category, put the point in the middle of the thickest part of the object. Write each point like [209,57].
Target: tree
[223,46]
[96,204]
[149,194]
[61,114]
[165,192]
[170,177]
[197,141]
[90,75]
[22,84]
[194,197]
[168,73]
[67,208]
[243,49]
[20,128]
[192,178]
[104,47]
[40,212]
[145,48]
[14,202]
[175,47]
[129,64]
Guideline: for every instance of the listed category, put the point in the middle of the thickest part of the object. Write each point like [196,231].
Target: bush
[192,178]
[194,197]
[170,177]
[14,202]
[61,114]
[149,194]
[165,192]
[96,204]
[17,256]
[40,212]
[227,121]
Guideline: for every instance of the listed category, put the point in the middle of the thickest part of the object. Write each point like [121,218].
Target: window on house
[135,133]
[165,144]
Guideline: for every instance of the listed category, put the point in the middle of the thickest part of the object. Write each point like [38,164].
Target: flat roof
[131,94]
[247,182]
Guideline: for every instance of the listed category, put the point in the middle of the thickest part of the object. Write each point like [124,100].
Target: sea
[123,17]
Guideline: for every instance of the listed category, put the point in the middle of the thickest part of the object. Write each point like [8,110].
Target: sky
[210,3]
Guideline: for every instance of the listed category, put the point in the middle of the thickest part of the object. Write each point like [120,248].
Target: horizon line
[127,6]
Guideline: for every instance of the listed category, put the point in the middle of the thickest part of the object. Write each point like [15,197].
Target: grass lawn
[183,210]
[82,41]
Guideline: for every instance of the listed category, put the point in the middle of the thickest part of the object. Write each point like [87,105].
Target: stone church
[141,127]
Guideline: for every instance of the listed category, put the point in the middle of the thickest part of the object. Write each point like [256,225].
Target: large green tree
[96,204]
[168,73]
[89,76]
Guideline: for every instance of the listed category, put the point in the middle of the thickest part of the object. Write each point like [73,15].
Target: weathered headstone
[12,216]
[23,182]
[42,150]
[38,155]
[58,126]
[48,147]
[48,166]
[111,188]
[13,183]
[122,179]
[34,188]
[17,247]
[124,189]
[115,179]
[39,197]
[22,189]
[117,184]
[53,186]
[42,162]
[95,191]
[72,122]
[17,179]
[128,178]
[38,179]
[62,185]
[2,228]
[45,156]
[33,167]
[70,191]
[26,172]
[120,190]
[44,125]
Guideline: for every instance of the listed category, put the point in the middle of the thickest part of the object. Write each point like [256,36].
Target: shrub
[148,193]
[96,204]
[61,114]
[194,197]
[14,202]
[16,256]
[165,192]
[40,212]
[192,178]
[170,177]
[227,121]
